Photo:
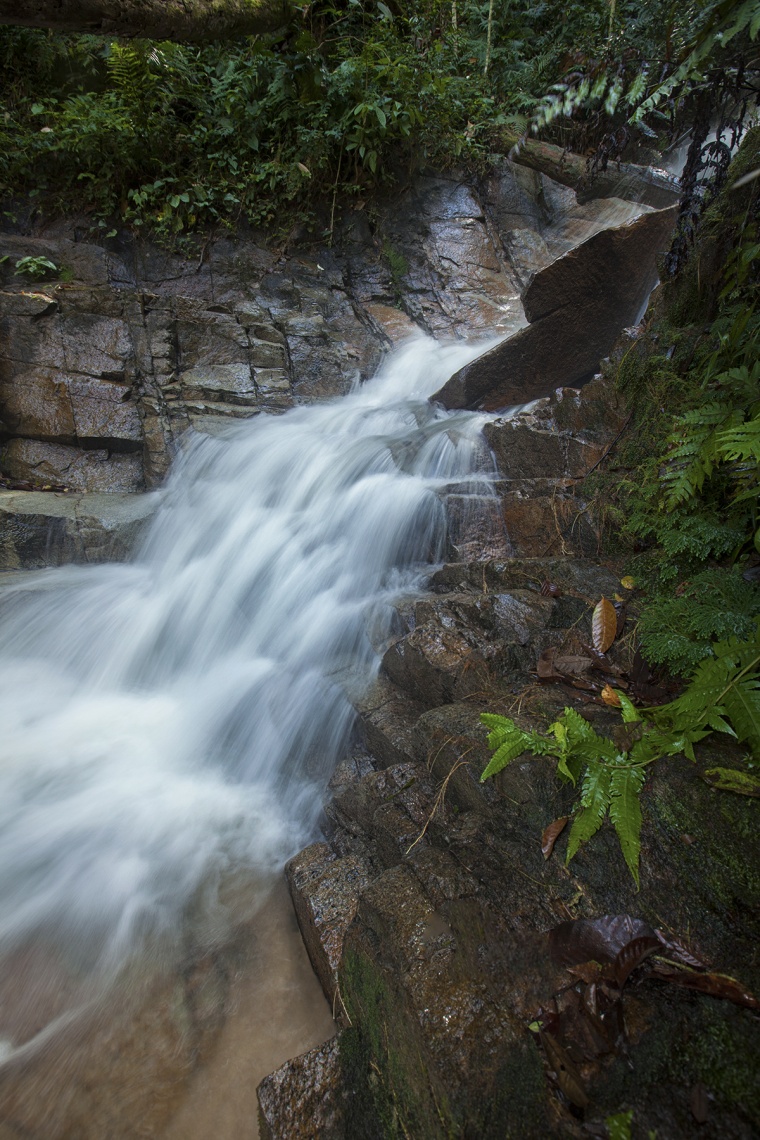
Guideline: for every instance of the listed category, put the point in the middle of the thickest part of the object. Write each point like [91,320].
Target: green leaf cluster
[722,696]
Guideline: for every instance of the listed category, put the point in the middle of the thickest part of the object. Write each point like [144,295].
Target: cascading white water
[168,722]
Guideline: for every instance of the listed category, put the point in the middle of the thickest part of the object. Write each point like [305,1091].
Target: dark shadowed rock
[325,893]
[578,306]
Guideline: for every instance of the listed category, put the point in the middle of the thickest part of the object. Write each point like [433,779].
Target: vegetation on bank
[350,95]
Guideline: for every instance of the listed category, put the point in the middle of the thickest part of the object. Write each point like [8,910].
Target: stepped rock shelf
[424,906]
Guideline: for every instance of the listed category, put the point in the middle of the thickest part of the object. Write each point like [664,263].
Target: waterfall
[169,722]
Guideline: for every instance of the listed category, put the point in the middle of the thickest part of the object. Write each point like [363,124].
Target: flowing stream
[169,725]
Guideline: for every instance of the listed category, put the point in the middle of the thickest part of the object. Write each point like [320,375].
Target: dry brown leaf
[633,954]
[572,664]
[716,985]
[551,834]
[603,625]
[610,697]
[566,1075]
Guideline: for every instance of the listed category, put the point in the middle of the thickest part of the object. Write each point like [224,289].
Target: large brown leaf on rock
[595,940]
[603,625]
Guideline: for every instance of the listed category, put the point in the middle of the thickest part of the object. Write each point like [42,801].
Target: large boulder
[577,307]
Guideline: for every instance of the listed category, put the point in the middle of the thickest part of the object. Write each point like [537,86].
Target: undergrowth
[269,130]
[682,490]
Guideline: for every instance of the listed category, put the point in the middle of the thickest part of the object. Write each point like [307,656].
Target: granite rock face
[436,956]
[577,307]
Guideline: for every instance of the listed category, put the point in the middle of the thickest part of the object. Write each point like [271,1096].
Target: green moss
[392,1091]
[695,1040]
[725,869]
[396,1088]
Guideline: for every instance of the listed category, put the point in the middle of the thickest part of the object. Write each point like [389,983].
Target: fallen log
[619,180]
[188,21]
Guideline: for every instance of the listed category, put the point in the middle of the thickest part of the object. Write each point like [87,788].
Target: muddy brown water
[166,1055]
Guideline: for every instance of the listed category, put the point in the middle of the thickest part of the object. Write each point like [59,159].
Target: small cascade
[171,723]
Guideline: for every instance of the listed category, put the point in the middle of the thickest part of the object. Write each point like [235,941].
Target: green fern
[678,629]
[595,800]
[724,693]
[625,812]
[722,696]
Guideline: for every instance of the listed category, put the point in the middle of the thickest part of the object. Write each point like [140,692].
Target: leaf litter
[584,1021]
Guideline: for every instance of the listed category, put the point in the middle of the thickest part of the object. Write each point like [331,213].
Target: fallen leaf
[551,834]
[572,664]
[628,582]
[610,697]
[588,972]
[732,780]
[566,1075]
[633,954]
[595,940]
[545,665]
[716,985]
[602,661]
[603,625]
[679,953]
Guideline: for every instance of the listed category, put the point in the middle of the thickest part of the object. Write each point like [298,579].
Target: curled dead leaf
[549,590]
[595,940]
[610,697]
[603,625]
[633,954]
[551,834]
[716,985]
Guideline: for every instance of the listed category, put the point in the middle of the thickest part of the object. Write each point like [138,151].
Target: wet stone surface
[440,960]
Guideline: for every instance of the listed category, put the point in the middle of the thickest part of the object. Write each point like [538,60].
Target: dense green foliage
[723,695]
[684,485]
[353,93]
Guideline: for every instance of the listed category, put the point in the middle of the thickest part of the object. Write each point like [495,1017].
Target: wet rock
[577,306]
[45,529]
[325,892]
[42,464]
[543,454]
[388,718]
[436,256]
[460,641]
[305,1098]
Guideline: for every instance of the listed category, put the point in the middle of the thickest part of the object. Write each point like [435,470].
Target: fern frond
[504,754]
[625,813]
[742,706]
[595,799]
[508,741]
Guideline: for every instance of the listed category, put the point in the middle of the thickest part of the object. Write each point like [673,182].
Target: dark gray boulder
[577,307]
